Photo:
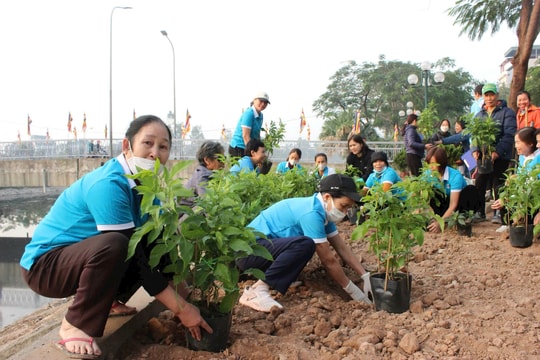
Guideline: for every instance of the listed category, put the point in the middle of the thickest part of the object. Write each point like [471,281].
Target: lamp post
[174,82]
[410,110]
[412,79]
[110,79]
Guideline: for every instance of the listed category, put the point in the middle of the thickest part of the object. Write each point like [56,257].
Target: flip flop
[61,345]
[114,312]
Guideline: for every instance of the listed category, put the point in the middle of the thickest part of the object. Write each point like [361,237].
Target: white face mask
[444,128]
[334,215]
[292,162]
[135,163]
[321,166]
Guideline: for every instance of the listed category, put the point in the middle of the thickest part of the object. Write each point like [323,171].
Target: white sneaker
[258,298]
[502,228]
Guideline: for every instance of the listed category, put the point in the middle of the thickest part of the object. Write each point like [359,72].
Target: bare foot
[68,331]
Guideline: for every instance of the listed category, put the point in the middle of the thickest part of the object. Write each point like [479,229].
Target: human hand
[476,155]
[536,219]
[494,156]
[497,204]
[428,146]
[438,142]
[367,285]
[193,321]
[434,227]
[355,293]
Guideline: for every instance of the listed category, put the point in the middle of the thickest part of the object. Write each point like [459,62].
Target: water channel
[20,212]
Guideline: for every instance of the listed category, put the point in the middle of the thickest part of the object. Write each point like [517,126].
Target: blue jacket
[458,139]
[413,141]
[506,120]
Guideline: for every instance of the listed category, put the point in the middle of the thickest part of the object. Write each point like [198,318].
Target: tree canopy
[380,90]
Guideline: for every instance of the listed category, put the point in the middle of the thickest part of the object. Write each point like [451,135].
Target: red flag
[303,121]
[223,135]
[75,132]
[19,136]
[187,125]
[29,122]
[47,137]
[308,132]
[70,120]
[106,131]
[84,124]
[396,132]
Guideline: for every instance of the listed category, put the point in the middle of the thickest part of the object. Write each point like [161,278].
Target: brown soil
[472,298]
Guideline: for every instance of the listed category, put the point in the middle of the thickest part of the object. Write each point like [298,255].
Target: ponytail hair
[410,119]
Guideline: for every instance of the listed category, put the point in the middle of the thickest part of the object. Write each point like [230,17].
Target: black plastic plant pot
[485,166]
[521,236]
[396,298]
[217,341]
[465,230]
[265,167]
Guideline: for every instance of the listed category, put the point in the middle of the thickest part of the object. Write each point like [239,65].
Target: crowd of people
[80,246]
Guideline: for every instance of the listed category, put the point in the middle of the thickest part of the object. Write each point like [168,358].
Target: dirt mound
[472,298]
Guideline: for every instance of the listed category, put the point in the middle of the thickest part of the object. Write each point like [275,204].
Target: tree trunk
[527,31]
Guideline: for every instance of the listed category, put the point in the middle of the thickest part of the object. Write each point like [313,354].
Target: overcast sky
[55,57]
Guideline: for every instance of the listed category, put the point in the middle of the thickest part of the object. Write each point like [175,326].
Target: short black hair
[136,125]
[253,145]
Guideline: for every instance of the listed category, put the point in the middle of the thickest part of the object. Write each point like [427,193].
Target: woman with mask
[292,162]
[80,246]
[443,132]
[382,173]
[321,163]
[295,229]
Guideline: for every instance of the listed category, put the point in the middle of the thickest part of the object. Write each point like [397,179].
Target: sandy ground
[472,298]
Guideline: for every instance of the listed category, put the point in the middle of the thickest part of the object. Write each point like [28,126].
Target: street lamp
[410,110]
[426,81]
[174,82]
[110,79]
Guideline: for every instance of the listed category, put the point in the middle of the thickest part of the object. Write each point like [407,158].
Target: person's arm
[344,251]
[187,313]
[453,204]
[246,134]
[506,139]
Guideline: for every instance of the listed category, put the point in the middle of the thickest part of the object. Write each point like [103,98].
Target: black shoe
[477,218]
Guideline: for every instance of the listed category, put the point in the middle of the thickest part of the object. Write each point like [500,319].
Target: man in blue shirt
[295,229]
[256,154]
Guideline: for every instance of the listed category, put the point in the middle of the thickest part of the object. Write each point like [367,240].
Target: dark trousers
[414,162]
[497,179]
[290,257]
[236,151]
[96,272]
[469,199]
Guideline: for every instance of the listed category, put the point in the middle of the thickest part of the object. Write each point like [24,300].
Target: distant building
[506,68]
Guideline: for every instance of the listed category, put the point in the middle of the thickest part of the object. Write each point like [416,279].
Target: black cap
[339,183]
[379,155]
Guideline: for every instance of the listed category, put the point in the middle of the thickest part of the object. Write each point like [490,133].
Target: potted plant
[396,221]
[399,162]
[461,221]
[520,197]
[275,133]
[200,250]
[483,133]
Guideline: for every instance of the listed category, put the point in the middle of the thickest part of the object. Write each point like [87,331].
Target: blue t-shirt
[283,167]
[527,163]
[296,217]
[387,176]
[102,200]
[452,180]
[244,165]
[252,120]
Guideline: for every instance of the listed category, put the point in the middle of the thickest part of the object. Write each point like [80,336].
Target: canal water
[20,212]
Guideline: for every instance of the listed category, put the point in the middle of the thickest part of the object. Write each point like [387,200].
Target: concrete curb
[39,342]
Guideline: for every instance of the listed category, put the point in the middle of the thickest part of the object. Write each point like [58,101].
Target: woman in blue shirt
[80,246]
[295,229]
[292,162]
[249,126]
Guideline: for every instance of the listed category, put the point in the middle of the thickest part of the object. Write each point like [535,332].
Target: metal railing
[181,149]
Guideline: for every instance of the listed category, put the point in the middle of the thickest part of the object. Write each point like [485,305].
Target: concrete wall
[54,172]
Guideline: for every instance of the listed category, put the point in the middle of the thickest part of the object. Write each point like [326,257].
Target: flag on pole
[29,122]
[303,121]
[19,136]
[134,115]
[70,120]
[106,131]
[75,132]
[308,133]
[187,125]
[396,132]
[47,136]
[84,124]
[356,126]
[223,135]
